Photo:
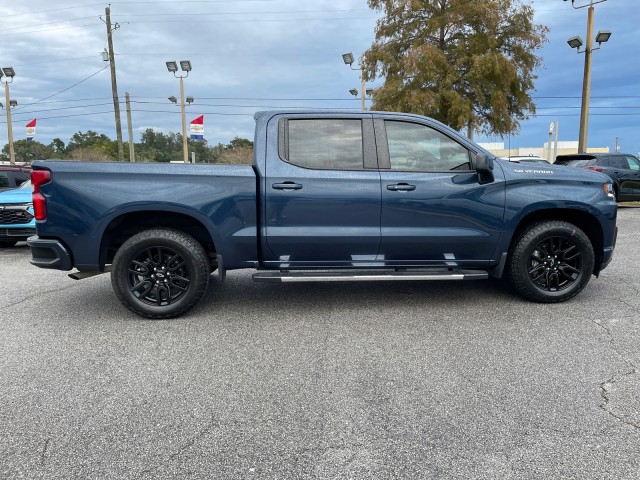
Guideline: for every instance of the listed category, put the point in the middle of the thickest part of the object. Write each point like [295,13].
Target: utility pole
[185,148]
[132,157]
[12,152]
[576,42]
[586,85]
[114,84]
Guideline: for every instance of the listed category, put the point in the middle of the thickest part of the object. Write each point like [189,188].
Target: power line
[194,14]
[53,10]
[48,30]
[47,23]
[64,90]
[133,2]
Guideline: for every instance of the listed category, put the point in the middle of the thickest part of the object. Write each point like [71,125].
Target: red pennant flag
[31,130]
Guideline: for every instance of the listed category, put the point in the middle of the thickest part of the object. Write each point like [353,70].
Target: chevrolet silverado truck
[329,197]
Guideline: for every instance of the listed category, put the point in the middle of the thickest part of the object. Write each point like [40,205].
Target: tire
[551,262]
[160,273]
[7,243]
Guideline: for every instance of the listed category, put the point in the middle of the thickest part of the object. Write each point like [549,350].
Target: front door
[434,211]
[629,178]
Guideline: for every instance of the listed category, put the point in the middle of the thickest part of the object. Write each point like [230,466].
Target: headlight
[608,190]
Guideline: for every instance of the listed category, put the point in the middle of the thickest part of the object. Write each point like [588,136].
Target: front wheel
[551,262]
[160,273]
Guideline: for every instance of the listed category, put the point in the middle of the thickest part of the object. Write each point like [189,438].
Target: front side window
[334,144]
[417,147]
[633,162]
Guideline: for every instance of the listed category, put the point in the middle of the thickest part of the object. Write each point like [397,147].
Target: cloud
[253,55]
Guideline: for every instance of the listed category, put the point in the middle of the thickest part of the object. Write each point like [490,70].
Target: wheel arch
[585,221]
[128,224]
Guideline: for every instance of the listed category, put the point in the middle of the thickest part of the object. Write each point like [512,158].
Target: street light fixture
[9,73]
[189,100]
[348,60]
[576,42]
[353,92]
[173,99]
[185,66]
[603,36]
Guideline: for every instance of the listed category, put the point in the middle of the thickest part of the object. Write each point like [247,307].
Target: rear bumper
[16,233]
[47,253]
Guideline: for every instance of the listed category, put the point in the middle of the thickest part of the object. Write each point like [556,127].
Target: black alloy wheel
[550,261]
[160,273]
[555,264]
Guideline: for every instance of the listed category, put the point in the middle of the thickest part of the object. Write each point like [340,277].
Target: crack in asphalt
[37,294]
[43,454]
[213,423]
[607,384]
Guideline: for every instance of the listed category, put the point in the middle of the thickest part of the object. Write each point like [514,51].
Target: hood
[517,171]
[16,195]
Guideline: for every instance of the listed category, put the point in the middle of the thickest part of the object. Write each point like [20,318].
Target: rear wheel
[160,273]
[551,262]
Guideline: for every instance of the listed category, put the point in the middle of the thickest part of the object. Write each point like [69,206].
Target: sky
[253,55]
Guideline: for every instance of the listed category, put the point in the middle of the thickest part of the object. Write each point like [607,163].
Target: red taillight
[596,169]
[39,178]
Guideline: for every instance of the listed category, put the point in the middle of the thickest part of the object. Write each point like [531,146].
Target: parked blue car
[16,215]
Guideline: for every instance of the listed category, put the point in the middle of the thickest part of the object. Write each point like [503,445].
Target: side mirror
[484,167]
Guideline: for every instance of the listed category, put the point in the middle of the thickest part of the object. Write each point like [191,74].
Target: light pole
[354,92]
[576,42]
[348,60]
[185,66]
[9,73]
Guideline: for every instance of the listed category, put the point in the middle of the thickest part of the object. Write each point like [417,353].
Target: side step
[283,276]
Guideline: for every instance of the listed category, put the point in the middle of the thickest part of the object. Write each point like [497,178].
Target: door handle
[401,187]
[286,186]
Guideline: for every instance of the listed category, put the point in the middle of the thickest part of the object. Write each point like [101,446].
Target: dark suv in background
[12,176]
[623,168]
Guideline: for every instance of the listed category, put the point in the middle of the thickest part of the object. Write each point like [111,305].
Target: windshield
[581,163]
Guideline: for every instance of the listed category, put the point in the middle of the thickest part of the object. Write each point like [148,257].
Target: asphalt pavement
[420,380]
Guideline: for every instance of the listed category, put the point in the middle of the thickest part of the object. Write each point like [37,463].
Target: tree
[159,147]
[58,148]
[465,63]
[239,142]
[26,151]
[100,144]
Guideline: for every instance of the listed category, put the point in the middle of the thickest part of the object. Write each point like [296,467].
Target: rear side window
[334,144]
[618,162]
[4,180]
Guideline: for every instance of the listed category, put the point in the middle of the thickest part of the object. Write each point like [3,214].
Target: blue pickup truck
[329,197]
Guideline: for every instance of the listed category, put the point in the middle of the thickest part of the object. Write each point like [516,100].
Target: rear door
[322,195]
[434,211]
[629,178]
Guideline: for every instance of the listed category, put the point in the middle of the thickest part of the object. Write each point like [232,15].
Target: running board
[379,275]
